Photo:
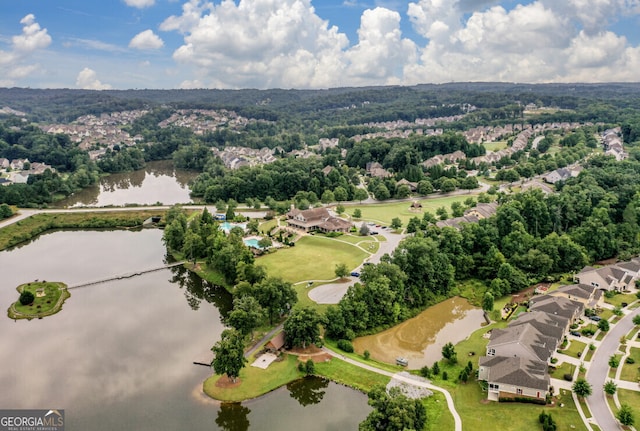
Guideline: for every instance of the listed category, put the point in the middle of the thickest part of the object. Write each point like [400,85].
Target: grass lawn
[302,290]
[589,354]
[574,348]
[268,226]
[564,368]
[612,371]
[495,146]
[350,375]
[632,398]
[439,417]
[55,294]
[383,213]
[619,298]
[606,314]
[312,258]
[630,372]
[254,381]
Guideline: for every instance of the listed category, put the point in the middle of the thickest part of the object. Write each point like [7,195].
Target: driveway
[598,372]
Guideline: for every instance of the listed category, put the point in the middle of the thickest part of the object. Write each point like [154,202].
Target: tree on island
[26,297]
[625,415]
[229,354]
[341,270]
[610,387]
[393,411]
[276,296]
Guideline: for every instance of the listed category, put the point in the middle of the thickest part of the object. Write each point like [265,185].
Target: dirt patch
[226,383]
[311,352]
[319,357]
[527,293]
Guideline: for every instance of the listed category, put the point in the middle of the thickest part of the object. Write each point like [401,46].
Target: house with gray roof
[523,340]
[590,296]
[517,376]
[609,277]
[557,305]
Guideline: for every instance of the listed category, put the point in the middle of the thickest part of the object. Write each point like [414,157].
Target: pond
[158,182]
[421,338]
[120,354]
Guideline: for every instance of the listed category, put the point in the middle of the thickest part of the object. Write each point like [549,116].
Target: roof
[516,371]
[528,337]
[578,290]
[277,342]
[556,305]
[548,329]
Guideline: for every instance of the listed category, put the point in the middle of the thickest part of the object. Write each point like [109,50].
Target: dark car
[355,274]
[575,333]
[373,232]
[595,318]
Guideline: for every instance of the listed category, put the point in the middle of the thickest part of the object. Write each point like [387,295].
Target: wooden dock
[127,275]
[205,358]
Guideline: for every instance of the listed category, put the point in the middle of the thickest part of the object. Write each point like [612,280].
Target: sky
[125,44]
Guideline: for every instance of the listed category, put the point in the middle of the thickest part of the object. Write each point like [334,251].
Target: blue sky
[314,44]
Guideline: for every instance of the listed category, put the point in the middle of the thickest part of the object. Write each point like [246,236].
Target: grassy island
[48,297]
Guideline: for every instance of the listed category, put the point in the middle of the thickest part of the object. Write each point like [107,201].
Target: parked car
[595,318]
[355,274]
[374,232]
[575,333]
[368,263]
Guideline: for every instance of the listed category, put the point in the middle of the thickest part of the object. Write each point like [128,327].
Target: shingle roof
[580,290]
[528,337]
[516,371]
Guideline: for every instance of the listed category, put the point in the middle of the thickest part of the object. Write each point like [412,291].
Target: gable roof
[578,290]
[516,371]
[543,325]
[527,336]
[556,305]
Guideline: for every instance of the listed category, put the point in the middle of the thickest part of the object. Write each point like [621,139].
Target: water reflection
[308,390]
[196,290]
[158,182]
[233,417]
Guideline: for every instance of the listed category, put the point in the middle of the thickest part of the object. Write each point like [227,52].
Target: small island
[38,299]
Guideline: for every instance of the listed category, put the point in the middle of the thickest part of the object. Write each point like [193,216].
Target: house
[590,296]
[544,323]
[608,277]
[317,219]
[327,170]
[375,169]
[482,210]
[276,343]
[522,340]
[557,305]
[509,377]
[404,182]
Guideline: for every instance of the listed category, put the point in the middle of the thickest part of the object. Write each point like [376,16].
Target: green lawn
[312,258]
[631,372]
[55,294]
[495,146]
[632,398]
[574,348]
[439,418]
[383,213]
[268,226]
[612,371]
[254,381]
[619,298]
[564,368]
[350,375]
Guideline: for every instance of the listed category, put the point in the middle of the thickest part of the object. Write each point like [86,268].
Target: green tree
[393,412]
[581,388]
[26,297]
[309,367]
[357,213]
[340,208]
[364,229]
[610,387]
[487,302]
[327,197]
[340,194]
[302,327]
[341,270]
[246,314]
[435,369]
[636,319]
[5,211]
[449,353]
[381,192]
[360,194]
[396,223]
[625,415]
[276,296]
[603,325]
[457,210]
[614,361]
[229,354]
[265,242]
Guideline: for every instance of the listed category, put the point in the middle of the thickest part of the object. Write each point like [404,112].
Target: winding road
[598,372]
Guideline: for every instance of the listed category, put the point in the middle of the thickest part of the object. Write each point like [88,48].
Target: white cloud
[87,79]
[15,64]
[140,4]
[146,40]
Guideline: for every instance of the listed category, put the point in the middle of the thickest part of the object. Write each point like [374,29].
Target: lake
[157,182]
[119,355]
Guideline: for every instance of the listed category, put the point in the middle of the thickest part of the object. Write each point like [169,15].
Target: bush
[568,377]
[345,346]
[522,400]
[588,332]
[609,294]
[445,376]
[630,360]
[366,355]
[425,372]
[26,297]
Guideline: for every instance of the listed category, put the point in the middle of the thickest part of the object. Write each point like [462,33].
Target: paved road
[406,379]
[598,372]
[332,293]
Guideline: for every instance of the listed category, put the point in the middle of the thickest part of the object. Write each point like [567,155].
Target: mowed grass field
[384,213]
[312,258]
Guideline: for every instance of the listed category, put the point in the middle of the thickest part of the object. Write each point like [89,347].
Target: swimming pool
[226,226]
[252,242]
